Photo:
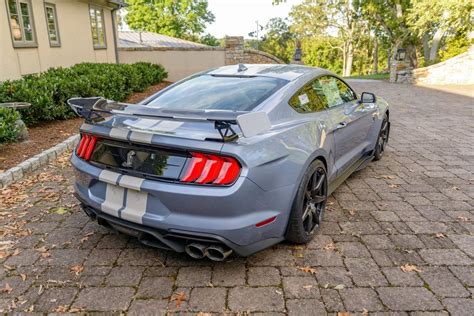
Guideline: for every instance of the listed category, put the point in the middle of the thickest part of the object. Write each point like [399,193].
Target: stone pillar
[234,50]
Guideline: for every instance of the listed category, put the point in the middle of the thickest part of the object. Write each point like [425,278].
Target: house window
[98,27]
[21,23]
[52,24]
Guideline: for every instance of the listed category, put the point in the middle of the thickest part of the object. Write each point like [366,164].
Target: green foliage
[455,46]
[183,19]
[323,52]
[8,128]
[210,40]
[279,40]
[48,91]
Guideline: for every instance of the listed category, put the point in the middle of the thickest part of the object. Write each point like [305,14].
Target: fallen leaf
[339,287]
[60,211]
[463,218]
[409,268]
[440,235]
[343,314]
[7,288]
[86,237]
[77,269]
[23,277]
[30,309]
[299,255]
[352,211]
[16,252]
[9,268]
[308,269]
[75,310]
[455,188]
[203,314]
[365,312]
[394,186]
[179,298]
[307,287]
[40,290]
[330,246]
[386,177]
[61,309]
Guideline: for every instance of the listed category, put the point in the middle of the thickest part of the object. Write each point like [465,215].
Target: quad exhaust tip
[214,252]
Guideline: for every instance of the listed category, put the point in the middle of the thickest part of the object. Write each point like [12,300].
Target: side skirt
[358,165]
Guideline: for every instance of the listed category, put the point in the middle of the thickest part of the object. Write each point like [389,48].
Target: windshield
[219,93]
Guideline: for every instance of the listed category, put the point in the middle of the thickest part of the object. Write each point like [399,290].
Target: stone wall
[236,53]
[456,70]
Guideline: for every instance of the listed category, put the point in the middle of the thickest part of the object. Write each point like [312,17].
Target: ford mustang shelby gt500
[236,158]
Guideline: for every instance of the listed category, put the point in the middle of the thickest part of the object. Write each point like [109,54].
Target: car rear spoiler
[95,109]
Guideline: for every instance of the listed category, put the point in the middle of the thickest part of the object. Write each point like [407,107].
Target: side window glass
[333,91]
[306,100]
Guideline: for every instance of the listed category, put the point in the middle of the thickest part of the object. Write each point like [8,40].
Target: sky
[237,17]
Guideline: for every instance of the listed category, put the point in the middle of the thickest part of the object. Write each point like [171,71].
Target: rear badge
[130,156]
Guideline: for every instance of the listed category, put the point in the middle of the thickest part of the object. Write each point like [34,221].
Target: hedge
[8,128]
[48,91]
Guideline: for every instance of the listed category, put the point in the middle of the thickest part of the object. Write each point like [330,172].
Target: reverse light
[211,169]
[86,146]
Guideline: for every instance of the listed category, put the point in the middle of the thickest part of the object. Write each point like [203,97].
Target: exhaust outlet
[196,250]
[218,252]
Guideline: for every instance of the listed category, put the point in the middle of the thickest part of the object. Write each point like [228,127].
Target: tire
[382,138]
[308,202]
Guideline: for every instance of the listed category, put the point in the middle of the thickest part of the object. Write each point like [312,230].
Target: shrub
[8,128]
[48,91]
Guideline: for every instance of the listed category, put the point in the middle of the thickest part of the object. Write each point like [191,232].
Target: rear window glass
[219,93]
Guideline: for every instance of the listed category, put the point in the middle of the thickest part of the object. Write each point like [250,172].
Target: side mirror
[367,97]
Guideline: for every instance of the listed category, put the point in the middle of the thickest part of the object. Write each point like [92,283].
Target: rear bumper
[175,213]
[174,240]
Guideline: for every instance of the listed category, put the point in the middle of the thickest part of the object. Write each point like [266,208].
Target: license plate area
[139,160]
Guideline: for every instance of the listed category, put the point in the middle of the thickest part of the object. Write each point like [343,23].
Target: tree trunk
[344,58]
[426,48]
[435,44]
[376,55]
[349,59]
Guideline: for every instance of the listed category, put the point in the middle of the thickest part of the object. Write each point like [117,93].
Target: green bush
[8,128]
[48,91]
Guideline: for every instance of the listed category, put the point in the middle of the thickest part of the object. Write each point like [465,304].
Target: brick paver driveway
[414,209]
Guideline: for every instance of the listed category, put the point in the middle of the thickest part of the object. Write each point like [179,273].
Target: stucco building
[38,34]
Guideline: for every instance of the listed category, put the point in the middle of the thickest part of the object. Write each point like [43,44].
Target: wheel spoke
[318,199]
[306,212]
[319,183]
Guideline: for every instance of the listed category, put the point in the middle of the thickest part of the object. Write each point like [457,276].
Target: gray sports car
[236,158]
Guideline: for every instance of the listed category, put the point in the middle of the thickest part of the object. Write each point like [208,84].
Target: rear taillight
[86,146]
[211,169]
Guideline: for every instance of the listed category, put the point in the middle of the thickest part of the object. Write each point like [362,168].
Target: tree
[434,20]
[210,40]
[278,40]
[183,19]
[388,19]
[337,18]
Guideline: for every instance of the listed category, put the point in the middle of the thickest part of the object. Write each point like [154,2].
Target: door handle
[341,125]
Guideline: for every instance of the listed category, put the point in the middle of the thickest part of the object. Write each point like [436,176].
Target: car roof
[282,71]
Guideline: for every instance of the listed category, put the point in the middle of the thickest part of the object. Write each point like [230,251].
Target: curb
[49,155]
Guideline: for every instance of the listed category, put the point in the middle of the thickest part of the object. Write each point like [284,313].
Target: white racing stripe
[130,182]
[135,206]
[109,176]
[113,200]
[119,133]
[141,137]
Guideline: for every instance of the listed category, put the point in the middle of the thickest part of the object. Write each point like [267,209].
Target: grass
[381,76]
